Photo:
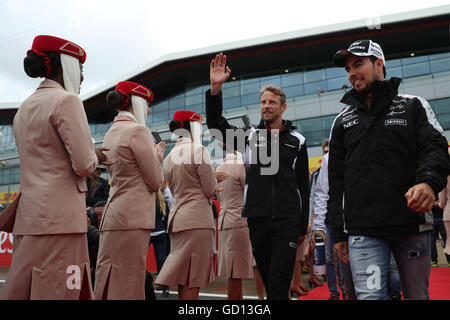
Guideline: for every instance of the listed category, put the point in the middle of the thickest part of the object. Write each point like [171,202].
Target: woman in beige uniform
[235,249]
[129,213]
[444,199]
[50,258]
[192,181]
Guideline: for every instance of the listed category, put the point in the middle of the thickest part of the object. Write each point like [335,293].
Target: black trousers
[274,243]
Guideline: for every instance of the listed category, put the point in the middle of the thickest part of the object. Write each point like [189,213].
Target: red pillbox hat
[186,115]
[131,88]
[44,43]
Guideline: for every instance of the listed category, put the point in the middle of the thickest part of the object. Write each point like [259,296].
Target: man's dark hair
[373,59]
[100,203]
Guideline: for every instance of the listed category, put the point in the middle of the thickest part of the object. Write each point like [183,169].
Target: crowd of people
[371,202]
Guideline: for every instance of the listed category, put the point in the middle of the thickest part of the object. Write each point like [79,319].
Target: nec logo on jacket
[350,123]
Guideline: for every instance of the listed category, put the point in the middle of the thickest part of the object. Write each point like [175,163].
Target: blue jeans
[394,282]
[370,263]
[342,270]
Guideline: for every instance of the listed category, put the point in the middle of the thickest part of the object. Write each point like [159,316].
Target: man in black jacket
[276,196]
[388,160]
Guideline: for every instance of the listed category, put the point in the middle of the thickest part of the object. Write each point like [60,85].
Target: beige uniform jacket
[135,176]
[232,198]
[191,179]
[56,154]
[444,200]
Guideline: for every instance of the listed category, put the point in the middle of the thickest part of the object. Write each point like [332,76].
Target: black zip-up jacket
[272,192]
[376,155]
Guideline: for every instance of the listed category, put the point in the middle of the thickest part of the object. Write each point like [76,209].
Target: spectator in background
[98,187]
[168,197]
[322,227]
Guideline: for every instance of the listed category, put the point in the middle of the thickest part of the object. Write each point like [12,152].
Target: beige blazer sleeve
[72,126]
[144,150]
[208,180]
[241,175]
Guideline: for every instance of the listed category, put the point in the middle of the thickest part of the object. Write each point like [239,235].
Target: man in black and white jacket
[388,159]
[276,195]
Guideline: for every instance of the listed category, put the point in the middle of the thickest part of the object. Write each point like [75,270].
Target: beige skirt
[235,253]
[49,267]
[447,244]
[121,263]
[190,262]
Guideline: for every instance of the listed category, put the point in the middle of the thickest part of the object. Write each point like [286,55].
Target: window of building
[335,73]
[414,60]
[315,130]
[233,102]
[440,65]
[250,86]
[272,80]
[291,79]
[314,87]
[250,99]
[160,106]
[394,72]
[194,91]
[337,83]
[178,102]
[314,76]
[194,99]
[441,108]
[294,91]
[160,116]
[393,63]
[416,69]
[196,108]
[231,92]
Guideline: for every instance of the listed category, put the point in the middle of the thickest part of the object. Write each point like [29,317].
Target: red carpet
[439,287]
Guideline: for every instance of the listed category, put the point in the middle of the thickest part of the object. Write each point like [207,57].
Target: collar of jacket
[286,126]
[183,140]
[123,118]
[49,83]
[381,92]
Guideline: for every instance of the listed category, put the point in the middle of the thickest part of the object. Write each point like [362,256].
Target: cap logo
[141,90]
[72,48]
[195,117]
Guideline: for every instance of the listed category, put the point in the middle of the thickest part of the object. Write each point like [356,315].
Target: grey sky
[122,36]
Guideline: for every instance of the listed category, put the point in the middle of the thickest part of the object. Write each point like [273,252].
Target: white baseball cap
[362,48]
